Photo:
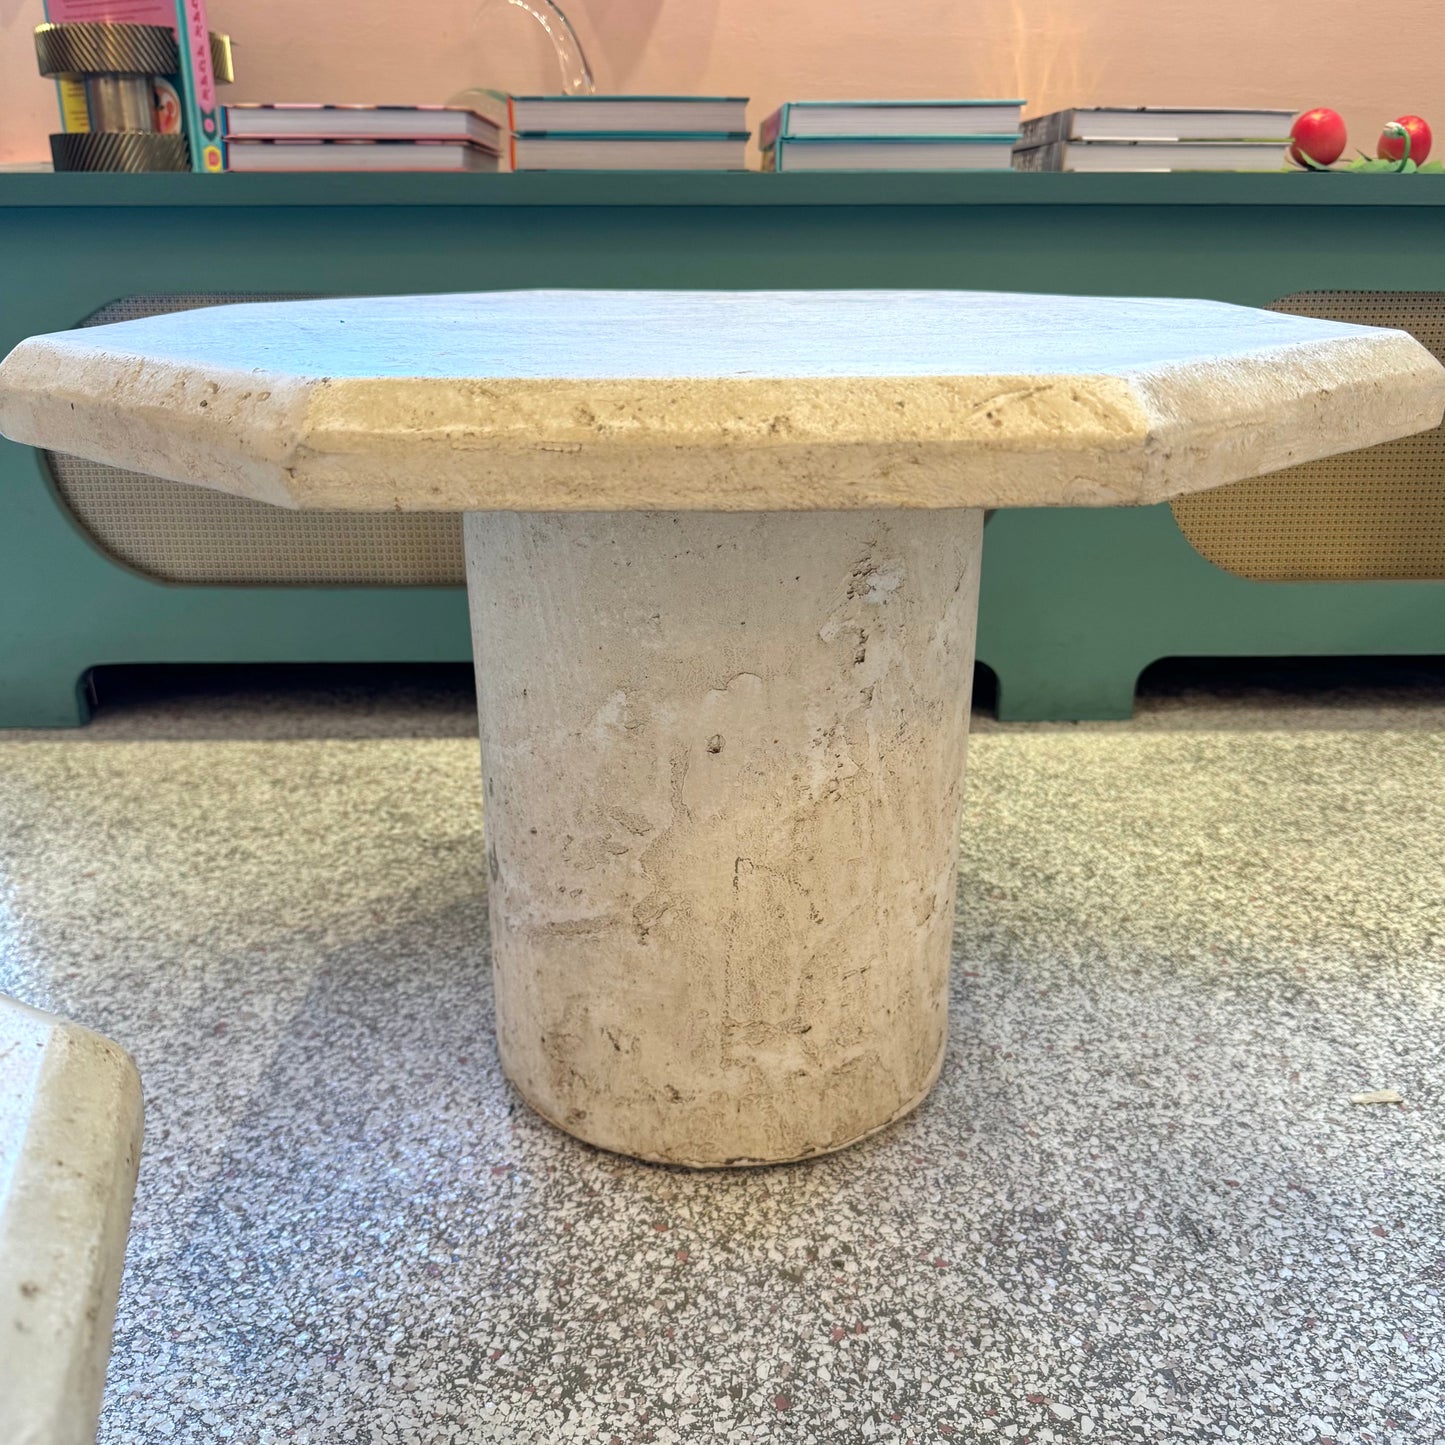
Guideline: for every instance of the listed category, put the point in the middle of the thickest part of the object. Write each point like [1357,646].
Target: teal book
[891,153]
[691,114]
[629,151]
[800,119]
[205,129]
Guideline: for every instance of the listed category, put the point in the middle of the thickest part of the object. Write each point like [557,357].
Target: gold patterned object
[119,102]
[92,48]
[222,61]
[98,48]
[1371,515]
[183,534]
[119,150]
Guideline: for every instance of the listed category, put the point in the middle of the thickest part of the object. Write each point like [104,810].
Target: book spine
[771,127]
[1039,157]
[69,92]
[74,108]
[1040,130]
[204,135]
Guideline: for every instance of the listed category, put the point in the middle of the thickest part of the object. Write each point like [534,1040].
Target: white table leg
[723,758]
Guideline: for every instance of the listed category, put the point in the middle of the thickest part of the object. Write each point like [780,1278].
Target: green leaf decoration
[1382,167]
[1377,165]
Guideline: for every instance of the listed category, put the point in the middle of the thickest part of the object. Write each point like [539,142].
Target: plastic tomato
[1392,146]
[1319,136]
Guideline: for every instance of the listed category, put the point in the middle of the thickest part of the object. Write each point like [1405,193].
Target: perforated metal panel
[1371,515]
[181,533]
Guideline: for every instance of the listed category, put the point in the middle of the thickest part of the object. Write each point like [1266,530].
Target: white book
[629,153]
[890,118]
[1157,122]
[362,122]
[901,153]
[614,113]
[1139,155]
[244,154]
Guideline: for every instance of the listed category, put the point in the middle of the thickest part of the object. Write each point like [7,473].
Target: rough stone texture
[723,760]
[763,401]
[735,952]
[1138,1206]
[70,1136]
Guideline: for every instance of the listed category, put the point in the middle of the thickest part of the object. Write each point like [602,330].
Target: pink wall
[1050,52]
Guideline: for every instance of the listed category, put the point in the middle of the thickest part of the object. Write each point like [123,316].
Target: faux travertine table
[70,1137]
[723,552]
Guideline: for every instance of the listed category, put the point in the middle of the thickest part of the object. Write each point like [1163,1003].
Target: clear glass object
[571,58]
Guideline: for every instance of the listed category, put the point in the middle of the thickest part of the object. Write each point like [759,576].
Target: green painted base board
[1076,603]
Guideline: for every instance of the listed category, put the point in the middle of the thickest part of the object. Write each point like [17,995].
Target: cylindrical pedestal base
[723,758]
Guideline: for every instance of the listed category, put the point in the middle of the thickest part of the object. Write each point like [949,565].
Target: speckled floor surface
[1139,1206]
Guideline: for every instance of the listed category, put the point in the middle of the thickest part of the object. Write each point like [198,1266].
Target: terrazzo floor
[1139,1206]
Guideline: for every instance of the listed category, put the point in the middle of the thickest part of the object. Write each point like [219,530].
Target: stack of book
[627,132]
[891,135]
[360,138]
[1154,138]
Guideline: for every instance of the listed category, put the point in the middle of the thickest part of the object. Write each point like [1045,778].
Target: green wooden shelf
[724,188]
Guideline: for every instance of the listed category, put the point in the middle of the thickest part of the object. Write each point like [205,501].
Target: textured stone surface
[70,1135]
[1138,1206]
[720,954]
[767,401]
[724,763]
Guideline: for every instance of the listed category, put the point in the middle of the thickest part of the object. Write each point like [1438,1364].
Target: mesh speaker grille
[1371,515]
[180,533]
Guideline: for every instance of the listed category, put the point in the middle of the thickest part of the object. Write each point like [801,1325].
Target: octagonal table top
[717,401]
